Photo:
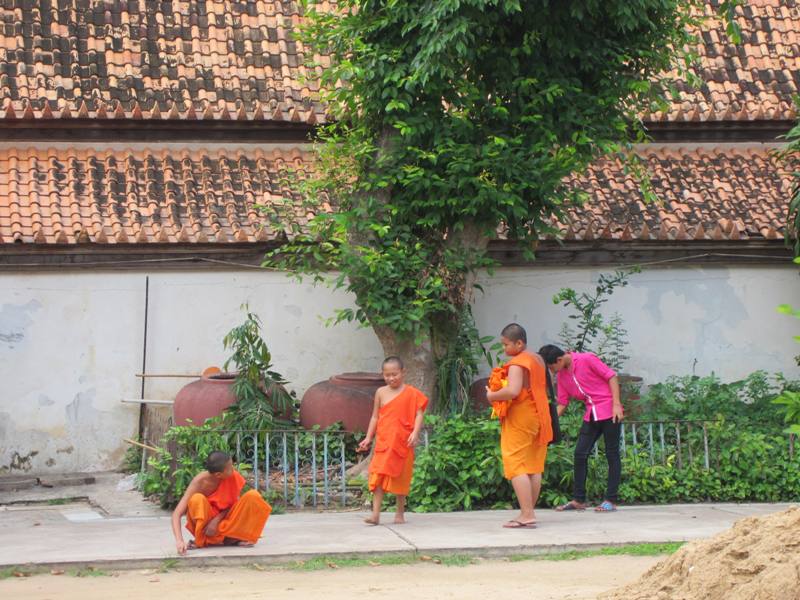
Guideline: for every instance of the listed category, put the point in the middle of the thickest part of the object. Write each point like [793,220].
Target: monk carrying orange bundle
[395,424]
[215,514]
[525,426]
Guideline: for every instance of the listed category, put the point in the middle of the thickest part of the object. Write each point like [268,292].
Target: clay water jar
[203,399]
[347,397]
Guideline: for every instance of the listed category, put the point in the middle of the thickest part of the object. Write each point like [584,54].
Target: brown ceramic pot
[347,398]
[203,399]
[208,397]
[477,393]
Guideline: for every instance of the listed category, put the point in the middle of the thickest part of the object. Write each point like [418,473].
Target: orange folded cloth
[497,381]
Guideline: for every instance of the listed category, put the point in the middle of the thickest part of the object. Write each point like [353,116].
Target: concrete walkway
[79,533]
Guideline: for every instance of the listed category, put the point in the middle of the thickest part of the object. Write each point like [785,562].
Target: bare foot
[235,542]
[372,521]
[399,520]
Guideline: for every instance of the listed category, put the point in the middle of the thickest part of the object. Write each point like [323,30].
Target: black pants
[589,434]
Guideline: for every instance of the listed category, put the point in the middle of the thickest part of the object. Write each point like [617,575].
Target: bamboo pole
[141,445]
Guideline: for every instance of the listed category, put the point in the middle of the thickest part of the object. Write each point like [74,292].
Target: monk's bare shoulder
[205,483]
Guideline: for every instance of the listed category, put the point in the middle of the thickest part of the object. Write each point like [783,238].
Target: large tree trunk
[419,359]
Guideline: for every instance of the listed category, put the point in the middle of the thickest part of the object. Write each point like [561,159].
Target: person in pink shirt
[585,378]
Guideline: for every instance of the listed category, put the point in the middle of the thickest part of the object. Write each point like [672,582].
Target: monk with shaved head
[525,428]
[215,512]
[396,421]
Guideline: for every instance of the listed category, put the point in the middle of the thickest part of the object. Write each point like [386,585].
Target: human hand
[617,413]
[364,445]
[413,440]
[180,546]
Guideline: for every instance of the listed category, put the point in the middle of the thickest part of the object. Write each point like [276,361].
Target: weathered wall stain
[14,321]
[19,462]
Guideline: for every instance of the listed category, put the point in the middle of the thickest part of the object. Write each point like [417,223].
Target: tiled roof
[237,59]
[705,193]
[140,59]
[752,81]
[74,196]
[190,195]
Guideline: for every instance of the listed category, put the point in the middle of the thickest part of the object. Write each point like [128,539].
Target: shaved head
[394,360]
[515,333]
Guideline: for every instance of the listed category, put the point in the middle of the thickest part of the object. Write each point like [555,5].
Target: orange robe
[245,520]
[392,463]
[526,429]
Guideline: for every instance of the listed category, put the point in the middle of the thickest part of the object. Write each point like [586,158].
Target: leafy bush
[259,391]
[745,466]
[748,401]
[461,468]
[172,469]
[592,333]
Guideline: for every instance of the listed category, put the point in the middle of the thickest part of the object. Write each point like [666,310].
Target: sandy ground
[492,578]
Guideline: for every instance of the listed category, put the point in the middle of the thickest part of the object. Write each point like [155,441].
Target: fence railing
[303,468]
[309,468]
[659,440]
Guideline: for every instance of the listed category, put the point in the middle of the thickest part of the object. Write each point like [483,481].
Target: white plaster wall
[680,320]
[71,343]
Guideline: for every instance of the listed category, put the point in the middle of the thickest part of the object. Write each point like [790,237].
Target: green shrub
[172,469]
[461,469]
[748,401]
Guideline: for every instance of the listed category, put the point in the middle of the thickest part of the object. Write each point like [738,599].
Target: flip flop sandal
[605,506]
[570,506]
[519,525]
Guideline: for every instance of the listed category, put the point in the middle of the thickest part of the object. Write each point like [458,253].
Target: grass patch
[168,564]
[59,501]
[7,572]
[340,562]
[628,549]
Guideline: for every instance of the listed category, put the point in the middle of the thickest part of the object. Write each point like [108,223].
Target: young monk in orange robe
[395,424]
[526,429]
[215,514]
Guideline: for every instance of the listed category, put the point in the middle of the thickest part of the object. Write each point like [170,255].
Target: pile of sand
[759,558]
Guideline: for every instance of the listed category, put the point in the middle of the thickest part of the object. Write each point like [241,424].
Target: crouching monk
[215,514]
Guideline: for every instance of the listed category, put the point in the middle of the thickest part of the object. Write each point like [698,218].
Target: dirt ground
[579,579]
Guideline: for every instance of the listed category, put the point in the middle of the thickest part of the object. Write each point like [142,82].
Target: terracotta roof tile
[751,81]
[70,196]
[150,60]
[717,193]
[184,60]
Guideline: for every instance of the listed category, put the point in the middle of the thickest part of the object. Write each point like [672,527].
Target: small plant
[459,367]
[132,461]
[592,333]
[172,470]
[790,400]
[259,390]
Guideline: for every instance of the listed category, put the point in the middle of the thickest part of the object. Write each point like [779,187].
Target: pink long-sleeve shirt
[592,387]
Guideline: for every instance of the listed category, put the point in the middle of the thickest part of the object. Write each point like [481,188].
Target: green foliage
[171,471]
[790,157]
[748,401]
[258,388]
[461,469]
[457,369]
[749,455]
[790,400]
[746,466]
[592,333]
[132,461]
[454,119]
